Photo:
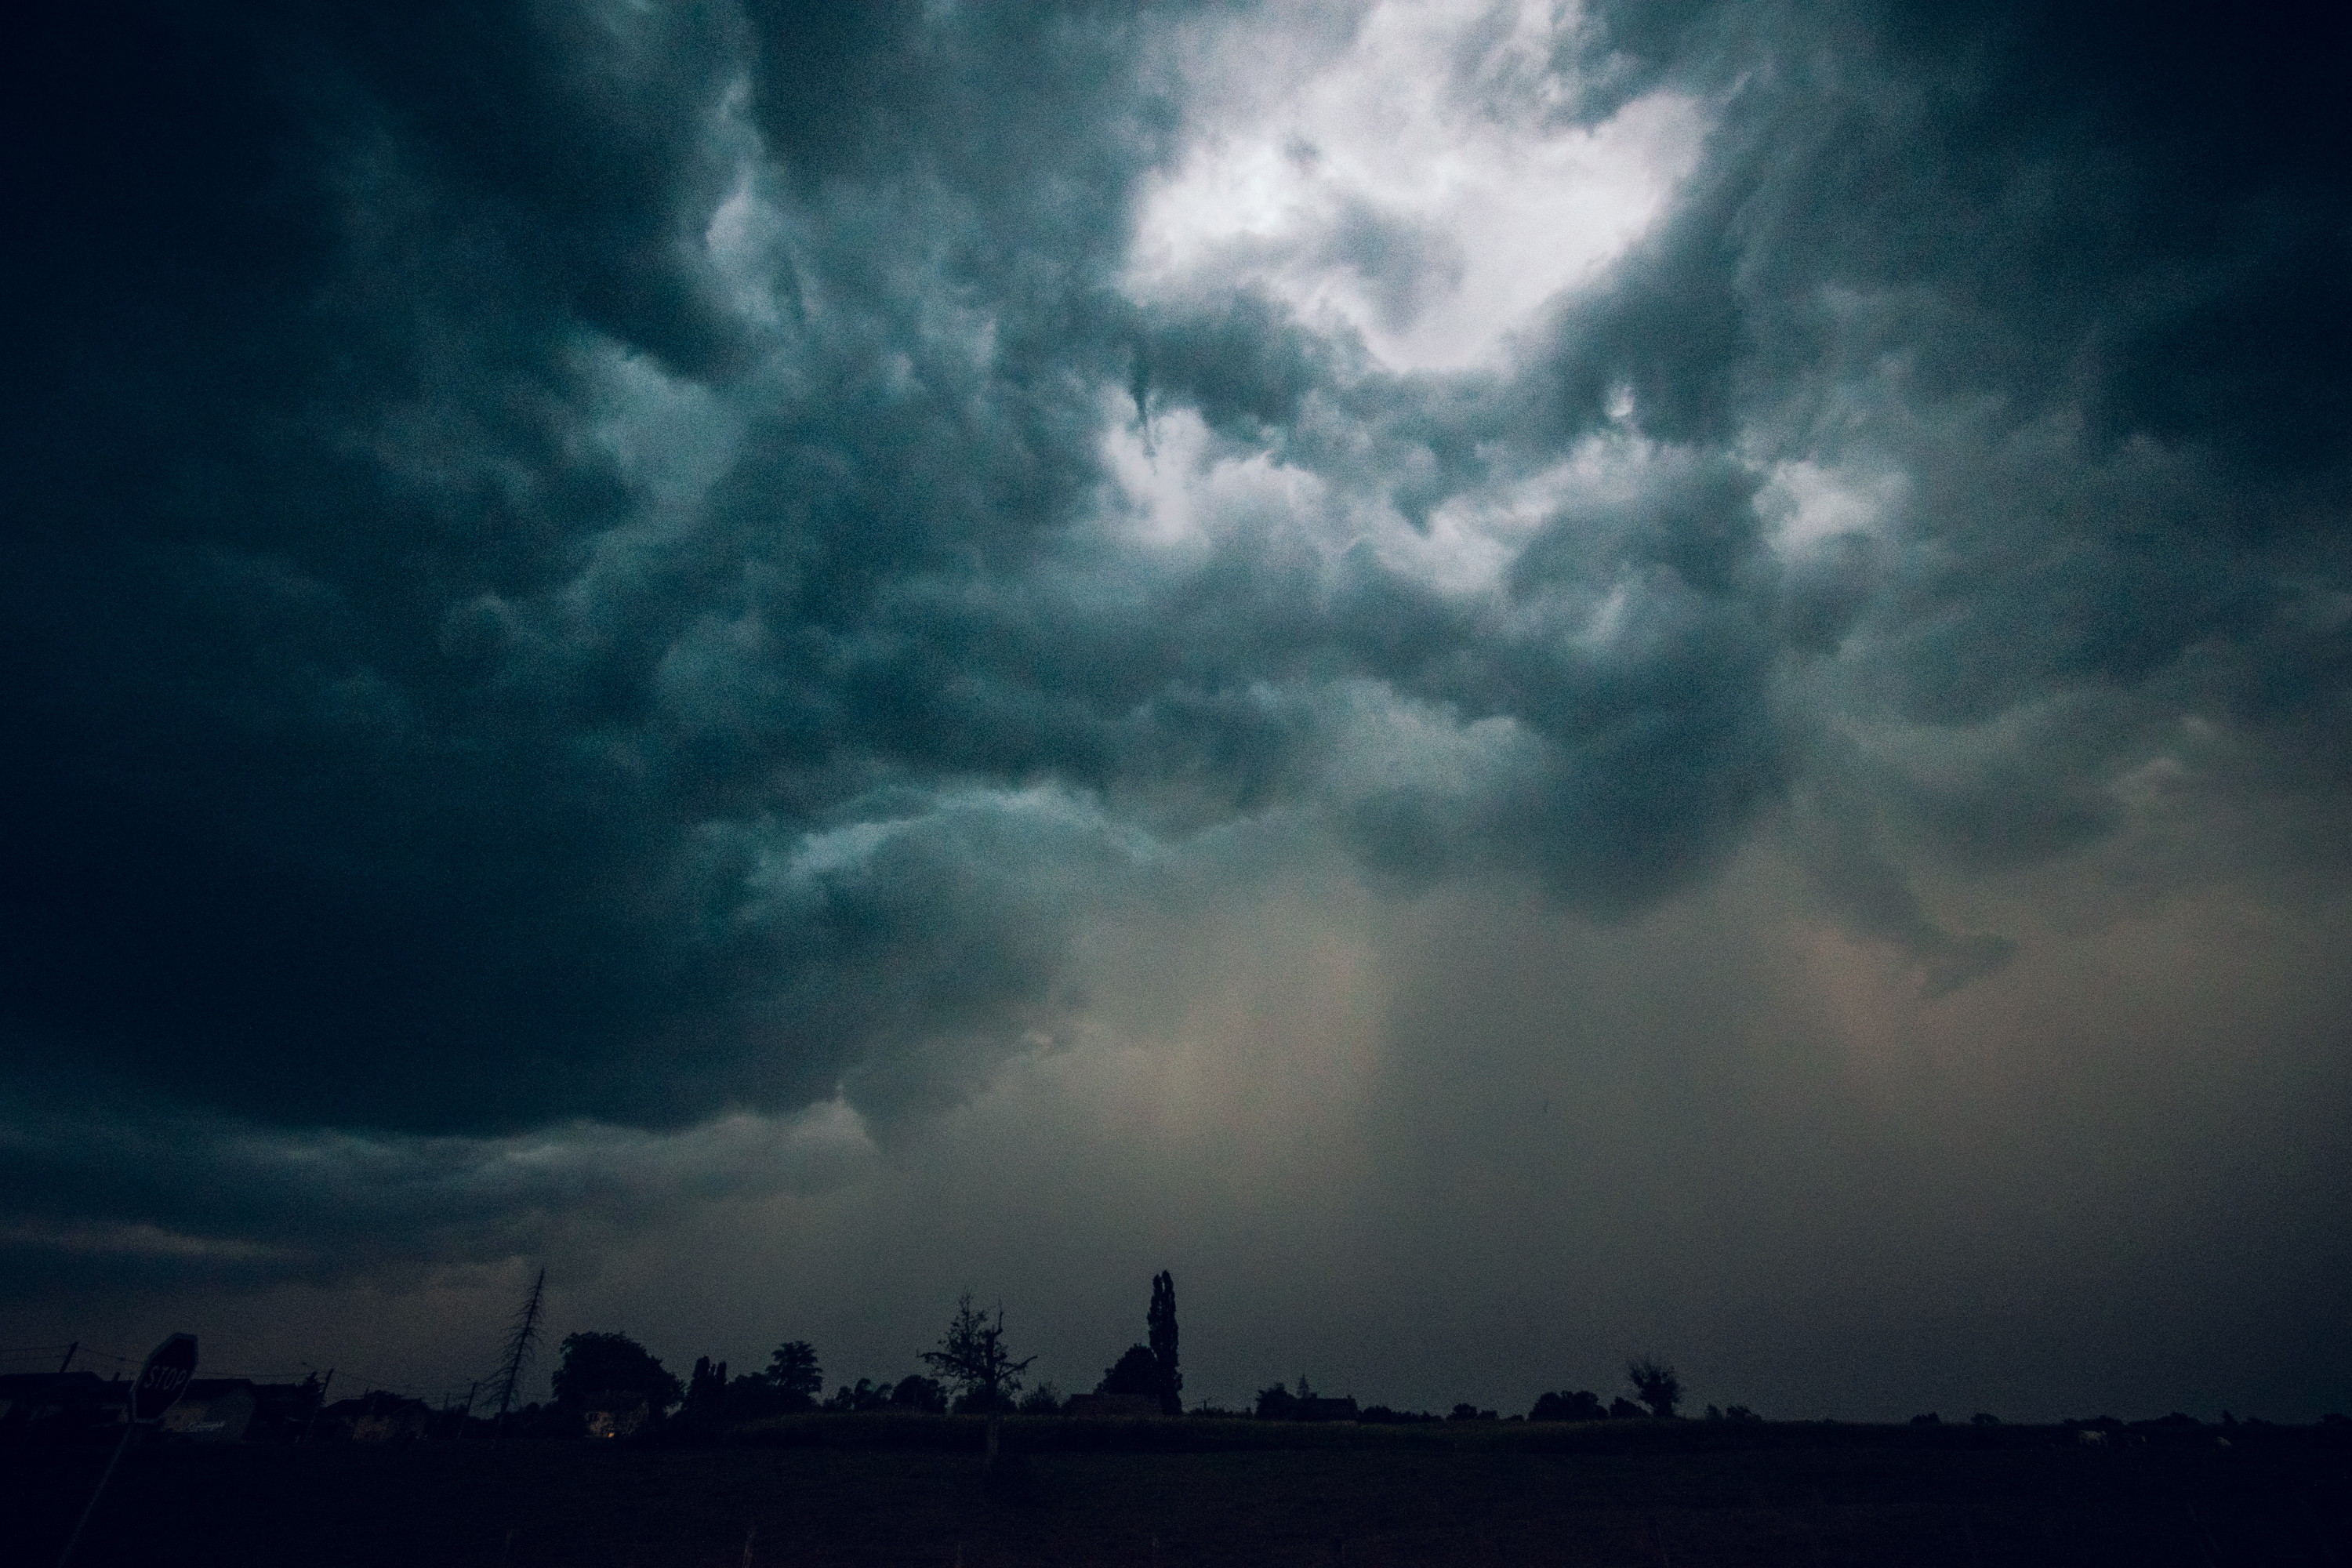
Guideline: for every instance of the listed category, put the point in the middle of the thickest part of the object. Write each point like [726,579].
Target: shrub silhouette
[1565,1405]
[1278,1404]
[862,1395]
[705,1388]
[915,1395]
[920,1395]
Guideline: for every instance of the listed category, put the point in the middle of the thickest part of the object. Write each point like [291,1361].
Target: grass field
[849,1490]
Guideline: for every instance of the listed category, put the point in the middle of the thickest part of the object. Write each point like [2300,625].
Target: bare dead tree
[972,1356]
[514,1355]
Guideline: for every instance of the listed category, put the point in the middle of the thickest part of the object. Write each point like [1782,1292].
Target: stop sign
[165,1378]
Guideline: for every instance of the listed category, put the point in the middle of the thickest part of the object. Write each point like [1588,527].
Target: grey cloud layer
[568,567]
[234,1205]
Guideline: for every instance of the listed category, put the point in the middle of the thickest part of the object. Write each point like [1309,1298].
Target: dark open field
[843,1490]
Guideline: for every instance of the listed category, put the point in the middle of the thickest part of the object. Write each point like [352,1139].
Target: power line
[81,1352]
[441,1390]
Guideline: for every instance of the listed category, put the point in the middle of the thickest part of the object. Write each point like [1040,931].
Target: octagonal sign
[165,1378]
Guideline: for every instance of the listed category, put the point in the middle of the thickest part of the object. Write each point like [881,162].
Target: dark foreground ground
[875,1494]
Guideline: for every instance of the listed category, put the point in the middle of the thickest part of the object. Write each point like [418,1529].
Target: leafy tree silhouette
[1134,1374]
[1137,1372]
[794,1372]
[613,1364]
[1655,1385]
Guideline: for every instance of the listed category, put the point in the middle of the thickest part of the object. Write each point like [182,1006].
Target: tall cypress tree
[1162,1321]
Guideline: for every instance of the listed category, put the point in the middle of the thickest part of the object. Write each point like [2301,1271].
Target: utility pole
[318,1402]
[67,1366]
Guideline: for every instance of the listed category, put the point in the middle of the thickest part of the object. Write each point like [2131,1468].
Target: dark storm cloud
[561,566]
[318,746]
[2011,252]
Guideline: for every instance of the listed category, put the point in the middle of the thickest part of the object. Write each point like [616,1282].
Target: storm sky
[1513,683]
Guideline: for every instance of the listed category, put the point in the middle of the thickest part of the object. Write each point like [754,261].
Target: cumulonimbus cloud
[586,566]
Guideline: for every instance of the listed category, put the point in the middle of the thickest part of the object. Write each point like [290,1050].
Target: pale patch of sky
[787,863]
[1805,502]
[1384,189]
[671,436]
[1182,491]
[1471,541]
[1389,744]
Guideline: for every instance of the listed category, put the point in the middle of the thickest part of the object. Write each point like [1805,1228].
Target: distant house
[392,1420]
[59,1406]
[213,1410]
[616,1413]
[1097,1406]
[282,1410]
[379,1417]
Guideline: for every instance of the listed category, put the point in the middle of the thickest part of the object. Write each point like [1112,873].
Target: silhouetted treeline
[607,1385]
[914,1395]
[1657,1384]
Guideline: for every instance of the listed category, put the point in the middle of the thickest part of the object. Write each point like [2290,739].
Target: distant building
[282,1410]
[213,1410]
[379,1417]
[616,1413]
[59,1406]
[1097,1406]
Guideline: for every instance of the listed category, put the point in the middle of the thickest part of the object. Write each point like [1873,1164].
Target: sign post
[162,1381]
